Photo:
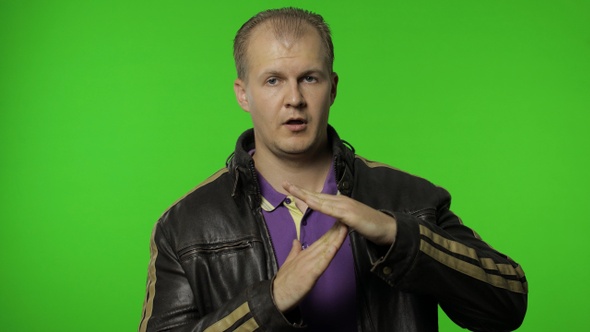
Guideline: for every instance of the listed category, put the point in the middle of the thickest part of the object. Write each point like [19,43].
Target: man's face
[288,92]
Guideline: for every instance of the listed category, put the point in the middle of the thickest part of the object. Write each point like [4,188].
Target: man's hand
[374,225]
[302,268]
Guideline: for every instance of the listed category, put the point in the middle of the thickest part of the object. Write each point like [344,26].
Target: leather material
[212,257]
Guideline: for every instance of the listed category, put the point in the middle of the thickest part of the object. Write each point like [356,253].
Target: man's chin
[301,152]
[296,153]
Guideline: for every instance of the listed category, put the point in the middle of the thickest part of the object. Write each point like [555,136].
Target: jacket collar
[241,166]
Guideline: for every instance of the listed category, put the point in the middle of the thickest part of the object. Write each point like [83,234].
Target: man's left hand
[374,225]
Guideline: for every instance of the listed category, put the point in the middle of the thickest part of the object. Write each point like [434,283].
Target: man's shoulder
[374,164]
[206,193]
[208,213]
[382,173]
[371,165]
[377,183]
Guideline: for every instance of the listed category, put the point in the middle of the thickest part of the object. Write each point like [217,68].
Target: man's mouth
[296,122]
[296,125]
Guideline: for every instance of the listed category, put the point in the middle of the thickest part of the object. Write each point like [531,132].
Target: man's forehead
[271,54]
[268,43]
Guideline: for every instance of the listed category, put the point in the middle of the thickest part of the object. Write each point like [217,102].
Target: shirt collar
[271,198]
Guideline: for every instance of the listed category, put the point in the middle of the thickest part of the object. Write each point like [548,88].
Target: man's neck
[306,172]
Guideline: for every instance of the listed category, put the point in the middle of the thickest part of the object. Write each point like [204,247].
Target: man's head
[287,83]
[286,23]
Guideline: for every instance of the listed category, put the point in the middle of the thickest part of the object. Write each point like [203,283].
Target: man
[299,232]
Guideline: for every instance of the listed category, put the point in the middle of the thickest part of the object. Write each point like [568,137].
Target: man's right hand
[303,268]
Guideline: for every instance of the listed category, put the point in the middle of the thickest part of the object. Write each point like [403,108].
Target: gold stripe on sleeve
[248,326]
[374,164]
[148,305]
[450,245]
[468,268]
[519,272]
[229,320]
[206,182]
[505,269]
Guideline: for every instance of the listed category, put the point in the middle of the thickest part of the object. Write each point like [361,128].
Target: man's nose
[294,97]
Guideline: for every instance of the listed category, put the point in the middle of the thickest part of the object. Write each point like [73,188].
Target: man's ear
[334,87]
[241,96]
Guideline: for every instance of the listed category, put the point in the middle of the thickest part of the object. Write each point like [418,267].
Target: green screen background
[111,110]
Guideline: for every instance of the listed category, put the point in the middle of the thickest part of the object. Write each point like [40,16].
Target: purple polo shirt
[331,304]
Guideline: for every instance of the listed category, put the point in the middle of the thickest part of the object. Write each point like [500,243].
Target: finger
[327,245]
[341,235]
[329,235]
[295,191]
[295,250]
[302,268]
[337,232]
[325,203]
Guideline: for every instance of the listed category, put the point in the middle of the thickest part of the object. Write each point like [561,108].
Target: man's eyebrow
[308,72]
[272,72]
[312,72]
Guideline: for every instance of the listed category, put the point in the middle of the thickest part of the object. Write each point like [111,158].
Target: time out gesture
[302,268]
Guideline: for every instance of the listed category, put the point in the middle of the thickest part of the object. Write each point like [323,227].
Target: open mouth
[296,125]
[296,122]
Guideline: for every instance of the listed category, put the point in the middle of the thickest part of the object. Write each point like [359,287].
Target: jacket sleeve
[170,304]
[434,253]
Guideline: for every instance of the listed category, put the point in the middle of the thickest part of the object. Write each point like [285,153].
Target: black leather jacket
[212,261]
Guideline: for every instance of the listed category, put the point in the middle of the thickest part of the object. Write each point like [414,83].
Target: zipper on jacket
[272,262]
[363,315]
[421,213]
[191,251]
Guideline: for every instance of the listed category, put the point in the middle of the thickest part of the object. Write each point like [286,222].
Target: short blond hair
[286,22]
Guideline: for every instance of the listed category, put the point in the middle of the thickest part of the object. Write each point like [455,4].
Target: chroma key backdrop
[112,110]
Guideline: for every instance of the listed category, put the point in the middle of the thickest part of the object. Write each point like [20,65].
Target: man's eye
[272,81]
[309,79]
